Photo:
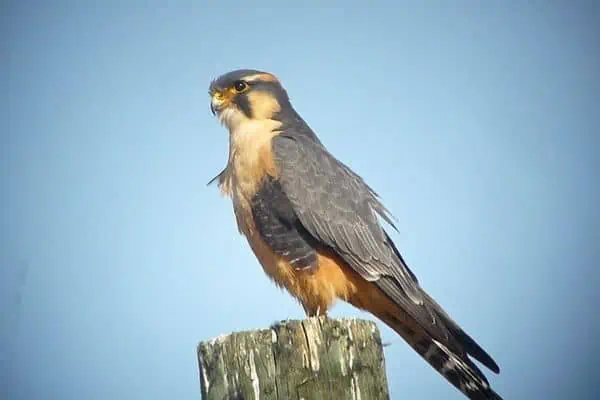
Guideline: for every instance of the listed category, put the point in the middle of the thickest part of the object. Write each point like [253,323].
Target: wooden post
[316,358]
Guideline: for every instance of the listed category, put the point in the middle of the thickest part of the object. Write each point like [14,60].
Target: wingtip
[495,368]
[483,357]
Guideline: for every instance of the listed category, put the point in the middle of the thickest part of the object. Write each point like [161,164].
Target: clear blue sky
[478,124]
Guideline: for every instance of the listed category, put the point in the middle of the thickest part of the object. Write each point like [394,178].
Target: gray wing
[338,208]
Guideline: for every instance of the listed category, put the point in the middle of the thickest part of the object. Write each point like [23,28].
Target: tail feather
[446,347]
[470,346]
[458,369]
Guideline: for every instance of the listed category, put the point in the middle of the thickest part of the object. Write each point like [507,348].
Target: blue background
[477,123]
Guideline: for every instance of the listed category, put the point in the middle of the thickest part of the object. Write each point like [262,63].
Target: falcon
[314,225]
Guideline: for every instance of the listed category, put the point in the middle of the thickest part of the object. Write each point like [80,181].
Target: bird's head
[243,95]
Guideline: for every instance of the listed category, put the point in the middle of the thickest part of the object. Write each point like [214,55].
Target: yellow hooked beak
[219,101]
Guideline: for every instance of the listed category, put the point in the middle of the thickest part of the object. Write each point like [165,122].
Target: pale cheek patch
[263,105]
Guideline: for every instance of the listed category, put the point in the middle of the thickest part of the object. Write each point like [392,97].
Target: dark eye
[240,86]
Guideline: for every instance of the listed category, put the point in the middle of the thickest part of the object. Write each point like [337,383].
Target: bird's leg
[322,313]
[318,311]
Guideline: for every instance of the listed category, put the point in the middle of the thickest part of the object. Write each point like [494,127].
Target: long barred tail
[458,370]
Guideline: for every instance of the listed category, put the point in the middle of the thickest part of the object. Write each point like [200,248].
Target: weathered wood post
[316,358]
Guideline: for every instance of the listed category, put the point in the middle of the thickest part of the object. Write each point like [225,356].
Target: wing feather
[339,209]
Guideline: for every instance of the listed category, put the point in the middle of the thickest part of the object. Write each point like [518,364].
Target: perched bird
[313,225]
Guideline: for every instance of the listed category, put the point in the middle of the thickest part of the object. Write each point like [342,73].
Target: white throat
[246,135]
[231,117]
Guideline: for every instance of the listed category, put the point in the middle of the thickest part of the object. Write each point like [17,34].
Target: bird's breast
[250,160]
